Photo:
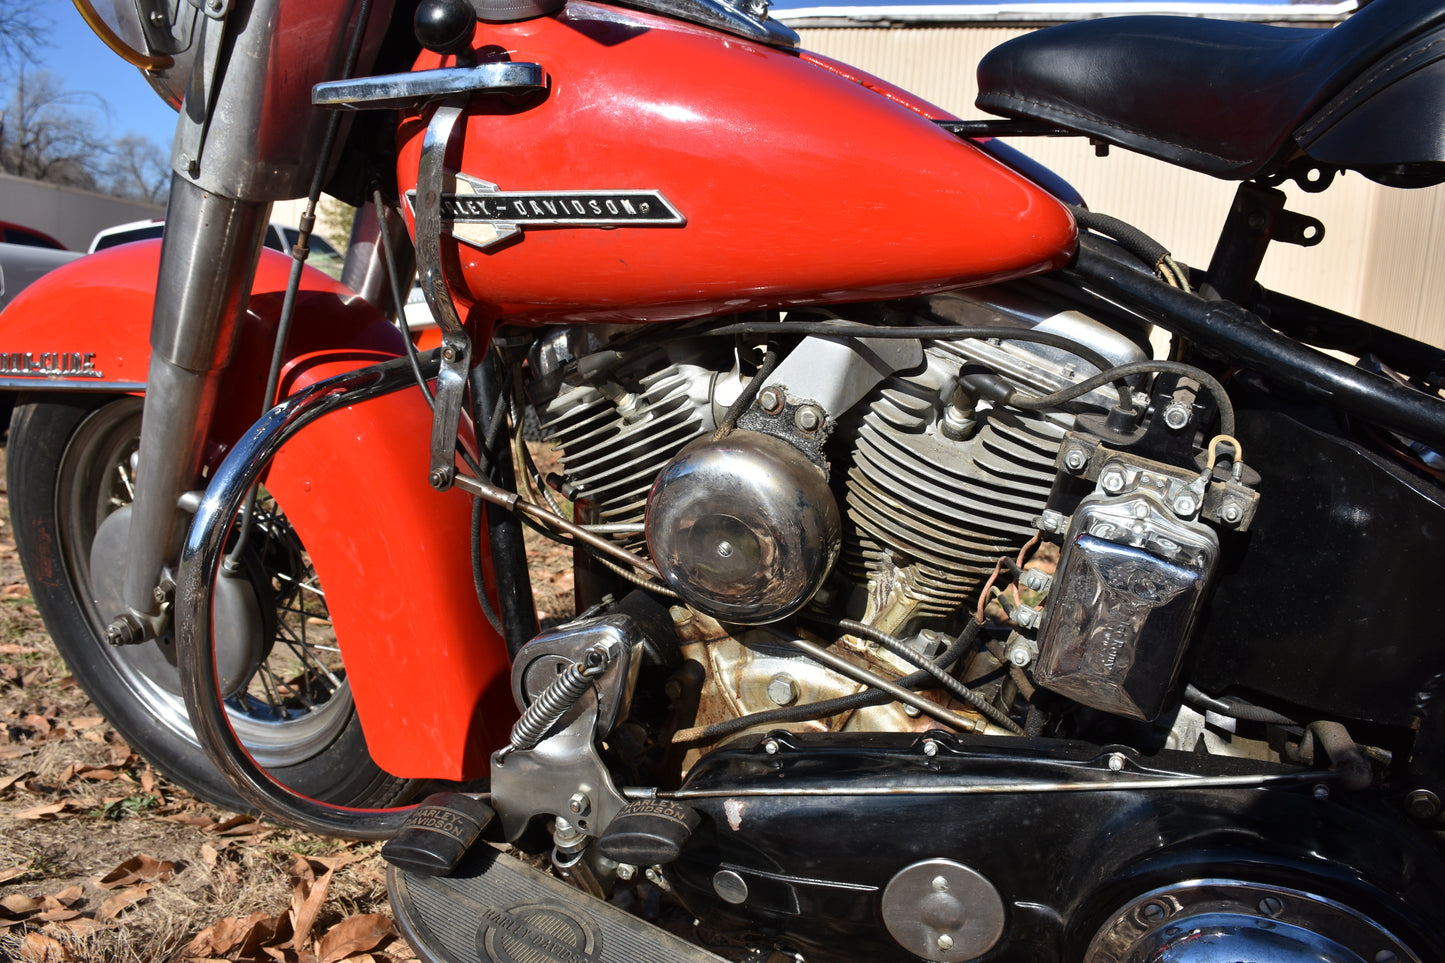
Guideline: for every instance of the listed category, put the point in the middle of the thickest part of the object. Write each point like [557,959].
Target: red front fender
[429,676]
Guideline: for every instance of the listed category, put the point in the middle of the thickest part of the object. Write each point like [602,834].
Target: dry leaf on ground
[139,868]
[355,934]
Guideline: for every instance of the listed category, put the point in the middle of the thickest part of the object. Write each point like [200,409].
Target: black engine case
[801,834]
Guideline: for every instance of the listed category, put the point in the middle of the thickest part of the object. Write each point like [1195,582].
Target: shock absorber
[556,701]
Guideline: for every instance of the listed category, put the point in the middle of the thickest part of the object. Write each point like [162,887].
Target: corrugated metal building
[1381,256]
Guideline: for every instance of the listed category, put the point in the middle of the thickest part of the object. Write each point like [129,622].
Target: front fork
[208,261]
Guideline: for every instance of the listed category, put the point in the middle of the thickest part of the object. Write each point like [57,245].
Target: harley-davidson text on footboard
[49,364]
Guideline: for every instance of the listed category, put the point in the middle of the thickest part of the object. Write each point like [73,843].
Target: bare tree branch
[44,136]
[136,168]
[24,30]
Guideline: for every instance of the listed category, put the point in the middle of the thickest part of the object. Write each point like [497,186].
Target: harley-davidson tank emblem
[481,214]
[50,364]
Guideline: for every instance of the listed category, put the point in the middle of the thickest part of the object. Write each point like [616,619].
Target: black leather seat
[1215,96]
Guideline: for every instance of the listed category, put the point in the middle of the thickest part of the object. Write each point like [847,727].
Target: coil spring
[559,697]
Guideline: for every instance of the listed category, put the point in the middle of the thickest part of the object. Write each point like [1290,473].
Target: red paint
[879,86]
[430,677]
[799,184]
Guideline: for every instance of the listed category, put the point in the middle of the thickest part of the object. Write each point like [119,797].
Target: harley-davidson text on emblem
[541,207]
[481,214]
[537,933]
[50,364]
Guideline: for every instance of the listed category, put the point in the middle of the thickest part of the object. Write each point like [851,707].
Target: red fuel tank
[671,171]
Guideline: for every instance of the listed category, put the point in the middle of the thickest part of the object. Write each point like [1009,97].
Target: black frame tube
[1230,331]
[504,529]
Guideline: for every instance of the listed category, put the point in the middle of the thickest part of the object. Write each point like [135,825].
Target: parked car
[22,263]
[279,237]
[28,237]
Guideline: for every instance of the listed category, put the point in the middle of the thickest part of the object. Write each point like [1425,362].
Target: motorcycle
[925,613]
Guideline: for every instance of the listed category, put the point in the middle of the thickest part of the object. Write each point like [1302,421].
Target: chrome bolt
[579,804]
[945,942]
[1019,656]
[912,712]
[1112,481]
[1075,459]
[725,549]
[1271,906]
[1153,912]
[1036,580]
[782,690]
[1322,791]
[1027,617]
[125,630]
[654,876]
[1116,761]
[770,400]
[159,594]
[1176,415]
[771,747]
[1185,505]
[449,354]
[1231,512]
[1423,804]
[808,418]
[940,884]
[1052,521]
[626,871]
[930,748]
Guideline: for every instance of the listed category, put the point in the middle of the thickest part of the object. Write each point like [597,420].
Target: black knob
[445,26]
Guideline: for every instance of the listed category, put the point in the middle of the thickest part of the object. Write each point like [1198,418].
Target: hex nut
[1176,415]
[782,690]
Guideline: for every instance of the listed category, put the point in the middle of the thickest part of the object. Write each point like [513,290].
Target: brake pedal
[496,909]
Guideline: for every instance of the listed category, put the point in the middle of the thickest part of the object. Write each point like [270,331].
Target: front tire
[70,467]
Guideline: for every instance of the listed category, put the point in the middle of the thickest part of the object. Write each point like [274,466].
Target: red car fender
[429,675]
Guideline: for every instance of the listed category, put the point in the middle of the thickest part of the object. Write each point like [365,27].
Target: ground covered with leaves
[104,859]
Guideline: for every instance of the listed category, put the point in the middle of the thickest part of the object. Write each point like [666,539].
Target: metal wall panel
[1379,243]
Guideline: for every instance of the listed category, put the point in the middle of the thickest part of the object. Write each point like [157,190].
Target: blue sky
[85,64]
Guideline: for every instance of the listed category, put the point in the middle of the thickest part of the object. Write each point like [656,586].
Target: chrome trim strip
[414,89]
[42,383]
[748,19]
[1132,784]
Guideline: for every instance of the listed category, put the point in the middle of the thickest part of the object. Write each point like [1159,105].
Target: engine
[882,480]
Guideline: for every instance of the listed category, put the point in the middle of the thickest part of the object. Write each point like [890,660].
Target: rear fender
[429,676]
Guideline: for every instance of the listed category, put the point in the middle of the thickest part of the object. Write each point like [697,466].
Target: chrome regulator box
[1123,603]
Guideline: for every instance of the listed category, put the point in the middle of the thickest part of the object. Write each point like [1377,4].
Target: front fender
[429,675]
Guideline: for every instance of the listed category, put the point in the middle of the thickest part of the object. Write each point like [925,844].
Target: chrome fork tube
[208,261]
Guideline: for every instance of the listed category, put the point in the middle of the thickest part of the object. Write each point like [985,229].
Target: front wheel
[70,469]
